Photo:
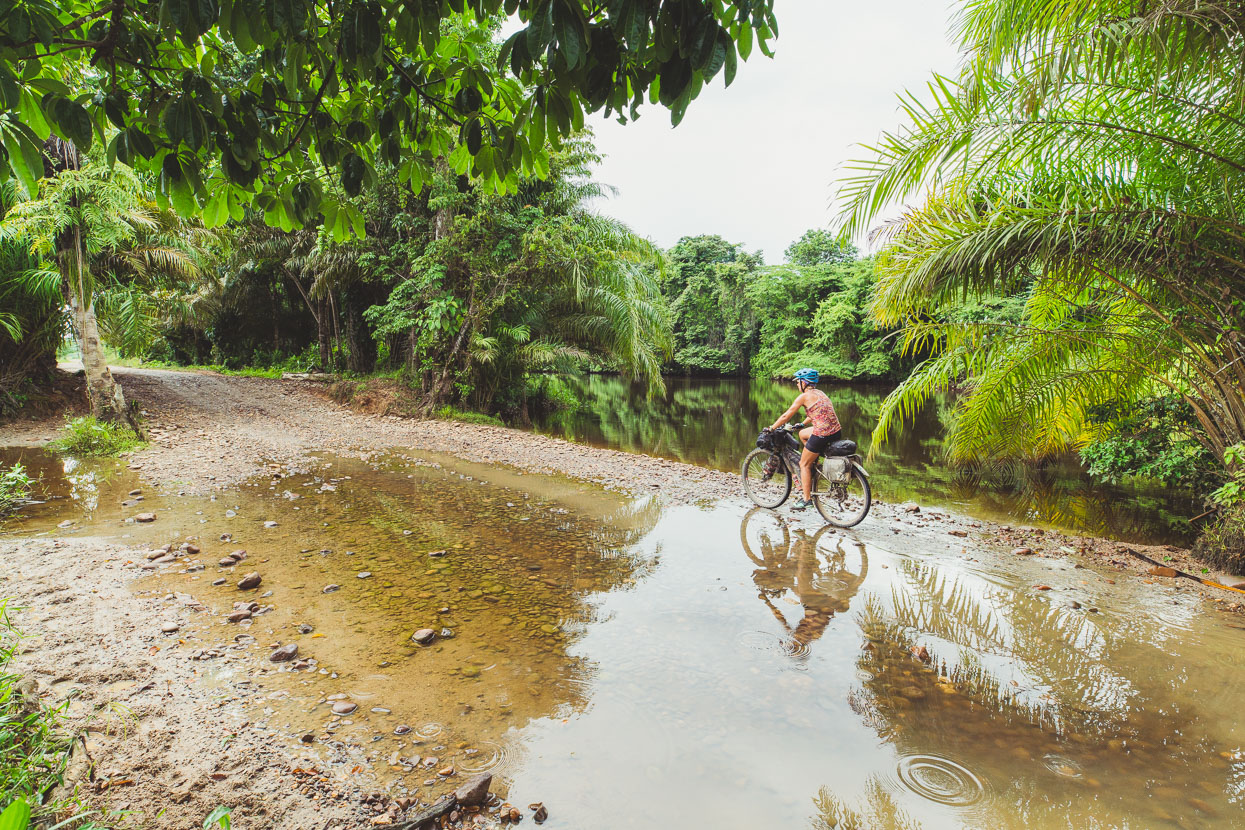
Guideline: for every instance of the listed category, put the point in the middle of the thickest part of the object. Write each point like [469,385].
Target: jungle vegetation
[1089,159]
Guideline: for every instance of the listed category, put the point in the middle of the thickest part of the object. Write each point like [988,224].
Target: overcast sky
[755,163]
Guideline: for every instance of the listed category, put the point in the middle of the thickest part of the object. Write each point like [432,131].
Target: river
[634,665]
[714,423]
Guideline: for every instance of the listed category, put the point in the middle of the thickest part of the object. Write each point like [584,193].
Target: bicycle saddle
[843,447]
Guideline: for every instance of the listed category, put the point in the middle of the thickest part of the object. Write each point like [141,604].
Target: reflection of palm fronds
[879,812]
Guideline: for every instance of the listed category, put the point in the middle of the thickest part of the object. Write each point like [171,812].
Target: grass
[449,413]
[14,487]
[86,437]
[34,749]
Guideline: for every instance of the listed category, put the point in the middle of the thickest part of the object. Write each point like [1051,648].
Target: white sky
[756,163]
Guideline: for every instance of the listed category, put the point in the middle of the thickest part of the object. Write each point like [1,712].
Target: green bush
[85,436]
[14,486]
[1153,438]
[1222,543]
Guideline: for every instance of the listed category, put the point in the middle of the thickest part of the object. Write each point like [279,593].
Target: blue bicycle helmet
[807,375]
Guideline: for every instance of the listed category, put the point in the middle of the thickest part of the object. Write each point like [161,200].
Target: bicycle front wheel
[842,504]
[767,481]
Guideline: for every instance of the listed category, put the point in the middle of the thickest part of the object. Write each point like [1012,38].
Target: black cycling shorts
[819,443]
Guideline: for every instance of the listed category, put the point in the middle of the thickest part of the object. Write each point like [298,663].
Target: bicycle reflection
[822,572]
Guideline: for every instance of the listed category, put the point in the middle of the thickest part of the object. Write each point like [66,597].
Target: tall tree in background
[1091,158]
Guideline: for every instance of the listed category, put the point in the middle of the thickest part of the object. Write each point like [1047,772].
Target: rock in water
[474,791]
[287,652]
[239,615]
[424,636]
[540,814]
[1023,552]
[1162,570]
[328,589]
[145,517]
[344,707]
[250,581]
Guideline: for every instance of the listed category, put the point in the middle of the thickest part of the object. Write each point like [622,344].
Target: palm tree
[115,253]
[1090,159]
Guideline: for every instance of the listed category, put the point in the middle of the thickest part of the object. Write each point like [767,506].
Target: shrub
[14,487]
[1222,543]
[86,436]
[1154,438]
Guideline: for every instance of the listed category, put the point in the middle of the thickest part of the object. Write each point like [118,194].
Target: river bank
[100,633]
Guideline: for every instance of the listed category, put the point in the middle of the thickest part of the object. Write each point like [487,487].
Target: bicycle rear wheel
[842,505]
[767,481]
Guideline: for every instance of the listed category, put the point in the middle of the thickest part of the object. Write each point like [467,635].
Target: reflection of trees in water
[1085,720]
[878,812]
[818,570]
[714,422]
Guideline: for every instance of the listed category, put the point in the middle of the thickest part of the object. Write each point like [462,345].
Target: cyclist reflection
[823,571]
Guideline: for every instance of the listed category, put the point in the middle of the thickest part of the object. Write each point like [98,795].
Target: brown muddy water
[635,666]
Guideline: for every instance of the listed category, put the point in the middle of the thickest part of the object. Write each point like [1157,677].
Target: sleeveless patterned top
[821,414]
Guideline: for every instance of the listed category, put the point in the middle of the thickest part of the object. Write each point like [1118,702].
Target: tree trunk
[103,393]
[322,336]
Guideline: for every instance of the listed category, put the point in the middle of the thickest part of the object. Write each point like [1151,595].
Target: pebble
[270,523]
[219,582]
[66,523]
[1162,570]
[135,493]
[961,533]
[306,628]
[328,589]
[1023,552]
[424,636]
[145,517]
[344,707]
[401,729]
[365,574]
[249,581]
[170,628]
[286,652]
[240,615]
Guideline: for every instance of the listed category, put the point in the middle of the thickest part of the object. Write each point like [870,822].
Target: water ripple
[940,780]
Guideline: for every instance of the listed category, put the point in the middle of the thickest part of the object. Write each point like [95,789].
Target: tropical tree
[1089,163]
[232,104]
[495,286]
[113,251]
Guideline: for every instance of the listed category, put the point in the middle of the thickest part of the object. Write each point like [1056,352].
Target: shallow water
[636,666]
[714,423]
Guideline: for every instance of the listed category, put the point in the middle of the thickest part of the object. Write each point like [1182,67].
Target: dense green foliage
[1091,163]
[1153,438]
[733,315]
[466,292]
[31,320]
[285,104]
[86,437]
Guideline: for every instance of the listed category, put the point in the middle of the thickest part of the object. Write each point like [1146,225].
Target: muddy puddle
[634,666]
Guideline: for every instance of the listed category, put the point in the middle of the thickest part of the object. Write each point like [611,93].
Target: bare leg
[807,461]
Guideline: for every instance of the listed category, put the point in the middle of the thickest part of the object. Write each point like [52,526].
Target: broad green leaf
[16,816]
[31,115]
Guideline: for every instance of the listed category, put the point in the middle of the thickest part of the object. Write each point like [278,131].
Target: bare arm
[790,413]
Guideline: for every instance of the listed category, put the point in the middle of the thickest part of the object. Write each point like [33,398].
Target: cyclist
[823,428]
